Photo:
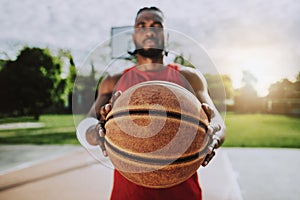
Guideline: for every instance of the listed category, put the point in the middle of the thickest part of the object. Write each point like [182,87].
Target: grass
[58,129]
[243,130]
[261,130]
[16,119]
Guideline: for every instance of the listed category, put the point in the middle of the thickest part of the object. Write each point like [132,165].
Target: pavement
[70,172]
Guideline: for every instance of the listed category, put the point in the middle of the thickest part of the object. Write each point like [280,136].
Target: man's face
[148,34]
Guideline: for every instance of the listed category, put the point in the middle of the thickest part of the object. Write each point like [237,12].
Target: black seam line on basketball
[156,161]
[160,113]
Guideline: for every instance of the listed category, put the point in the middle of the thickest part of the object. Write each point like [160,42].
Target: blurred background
[254,46]
[53,54]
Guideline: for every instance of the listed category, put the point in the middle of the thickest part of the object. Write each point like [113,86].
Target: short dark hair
[149,9]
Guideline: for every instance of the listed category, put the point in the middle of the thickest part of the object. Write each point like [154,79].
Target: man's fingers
[102,147]
[215,143]
[213,128]
[210,130]
[115,96]
[104,110]
[101,132]
[208,158]
[107,108]
[210,149]
[212,146]
[208,110]
[100,137]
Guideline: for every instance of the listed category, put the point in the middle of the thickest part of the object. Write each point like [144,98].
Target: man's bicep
[204,97]
[107,85]
[201,90]
[104,93]
[195,79]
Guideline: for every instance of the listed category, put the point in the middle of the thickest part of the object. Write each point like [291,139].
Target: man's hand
[212,130]
[95,135]
[104,110]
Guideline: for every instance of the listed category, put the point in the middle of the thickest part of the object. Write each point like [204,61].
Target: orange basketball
[156,134]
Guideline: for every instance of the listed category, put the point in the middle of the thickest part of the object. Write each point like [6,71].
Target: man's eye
[140,26]
[157,26]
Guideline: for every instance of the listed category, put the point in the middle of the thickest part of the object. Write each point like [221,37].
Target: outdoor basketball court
[71,173]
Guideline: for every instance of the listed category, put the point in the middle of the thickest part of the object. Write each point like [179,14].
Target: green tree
[70,79]
[282,89]
[182,61]
[31,83]
[283,97]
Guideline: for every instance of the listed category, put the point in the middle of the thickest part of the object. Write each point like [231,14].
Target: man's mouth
[150,42]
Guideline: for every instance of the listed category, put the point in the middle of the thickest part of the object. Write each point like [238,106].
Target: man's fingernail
[118,92]
[107,106]
[101,132]
[105,153]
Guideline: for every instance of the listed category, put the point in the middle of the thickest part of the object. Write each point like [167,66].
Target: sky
[259,36]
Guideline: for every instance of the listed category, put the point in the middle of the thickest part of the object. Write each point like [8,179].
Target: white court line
[21,125]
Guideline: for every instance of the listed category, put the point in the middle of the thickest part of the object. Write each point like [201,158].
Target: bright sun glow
[267,65]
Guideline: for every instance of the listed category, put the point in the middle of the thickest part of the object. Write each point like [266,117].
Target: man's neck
[149,64]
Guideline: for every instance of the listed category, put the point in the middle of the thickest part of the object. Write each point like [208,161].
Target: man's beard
[150,53]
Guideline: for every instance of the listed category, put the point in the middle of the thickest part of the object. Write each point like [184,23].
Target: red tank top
[133,76]
[123,189]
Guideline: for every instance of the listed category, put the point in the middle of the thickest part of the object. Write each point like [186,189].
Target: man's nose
[150,32]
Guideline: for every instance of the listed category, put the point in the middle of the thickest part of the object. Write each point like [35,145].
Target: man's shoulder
[188,71]
[112,77]
[117,76]
[109,81]
[129,69]
[194,76]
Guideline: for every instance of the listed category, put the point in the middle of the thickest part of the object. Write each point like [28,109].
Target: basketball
[156,134]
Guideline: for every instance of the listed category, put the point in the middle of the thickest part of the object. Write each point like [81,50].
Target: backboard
[121,42]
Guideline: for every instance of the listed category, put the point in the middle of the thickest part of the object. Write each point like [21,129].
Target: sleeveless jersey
[124,189]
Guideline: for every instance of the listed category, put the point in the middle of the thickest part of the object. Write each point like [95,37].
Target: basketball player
[148,38]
